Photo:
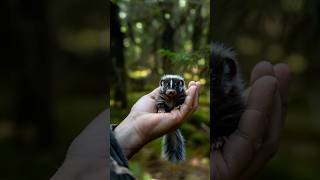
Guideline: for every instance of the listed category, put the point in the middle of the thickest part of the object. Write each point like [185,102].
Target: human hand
[257,138]
[144,124]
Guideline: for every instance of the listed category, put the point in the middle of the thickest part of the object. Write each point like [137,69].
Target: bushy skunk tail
[173,147]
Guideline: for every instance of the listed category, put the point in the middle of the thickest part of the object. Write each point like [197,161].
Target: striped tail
[173,147]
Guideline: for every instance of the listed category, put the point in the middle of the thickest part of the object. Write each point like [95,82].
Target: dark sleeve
[119,163]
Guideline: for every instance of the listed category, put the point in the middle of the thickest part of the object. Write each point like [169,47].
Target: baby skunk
[172,94]
[226,99]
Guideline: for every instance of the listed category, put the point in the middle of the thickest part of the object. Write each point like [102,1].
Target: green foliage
[194,65]
[145,24]
[185,58]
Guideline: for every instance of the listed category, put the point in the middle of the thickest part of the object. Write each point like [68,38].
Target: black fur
[226,99]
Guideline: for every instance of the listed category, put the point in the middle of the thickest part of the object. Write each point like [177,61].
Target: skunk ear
[161,82]
[181,83]
[230,68]
[229,74]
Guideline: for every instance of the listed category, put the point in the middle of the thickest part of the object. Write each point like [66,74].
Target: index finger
[187,106]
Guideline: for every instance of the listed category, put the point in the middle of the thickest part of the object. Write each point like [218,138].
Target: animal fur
[172,94]
[226,97]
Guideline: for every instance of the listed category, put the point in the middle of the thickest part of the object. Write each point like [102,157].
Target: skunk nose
[171,92]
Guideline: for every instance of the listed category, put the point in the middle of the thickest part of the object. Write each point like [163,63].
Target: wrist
[128,137]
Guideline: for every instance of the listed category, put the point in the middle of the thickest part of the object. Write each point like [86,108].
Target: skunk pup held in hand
[226,97]
[172,94]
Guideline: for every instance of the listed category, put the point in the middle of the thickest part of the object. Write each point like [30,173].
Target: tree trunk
[117,56]
[29,45]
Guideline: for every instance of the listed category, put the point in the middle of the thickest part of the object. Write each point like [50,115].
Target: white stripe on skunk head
[171,82]
[171,76]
